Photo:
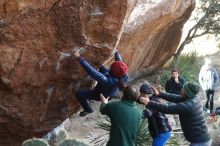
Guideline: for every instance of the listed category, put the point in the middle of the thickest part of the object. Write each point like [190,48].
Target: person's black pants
[209,99]
[83,97]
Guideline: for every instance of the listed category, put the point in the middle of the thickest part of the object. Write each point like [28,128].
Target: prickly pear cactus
[62,135]
[35,142]
[72,142]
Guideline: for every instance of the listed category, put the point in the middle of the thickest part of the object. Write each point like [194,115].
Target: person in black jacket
[175,83]
[174,86]
[158,124]
[189,108]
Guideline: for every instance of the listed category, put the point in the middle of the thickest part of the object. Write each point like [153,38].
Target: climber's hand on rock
[76,54]
[114,50]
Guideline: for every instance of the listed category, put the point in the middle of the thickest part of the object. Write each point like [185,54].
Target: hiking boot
[83,113]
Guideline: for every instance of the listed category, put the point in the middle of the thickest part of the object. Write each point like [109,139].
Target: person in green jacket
[125,117]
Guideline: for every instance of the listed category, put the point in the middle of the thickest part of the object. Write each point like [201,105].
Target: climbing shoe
[83,113]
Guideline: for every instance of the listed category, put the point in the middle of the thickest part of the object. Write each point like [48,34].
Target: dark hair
[146,88]
[130,92]
[174,70]
[121,85]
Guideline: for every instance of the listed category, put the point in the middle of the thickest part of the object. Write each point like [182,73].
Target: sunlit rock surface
[152,33]
[37,72]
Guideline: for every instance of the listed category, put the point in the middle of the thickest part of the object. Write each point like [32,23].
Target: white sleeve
[201,77]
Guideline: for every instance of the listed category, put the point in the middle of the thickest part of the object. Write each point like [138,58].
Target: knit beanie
[191,89]
[146,88]
[118,69]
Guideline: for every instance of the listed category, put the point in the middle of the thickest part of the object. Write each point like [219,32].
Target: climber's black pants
[83,97]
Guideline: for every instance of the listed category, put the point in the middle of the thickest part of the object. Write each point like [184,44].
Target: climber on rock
[109,81]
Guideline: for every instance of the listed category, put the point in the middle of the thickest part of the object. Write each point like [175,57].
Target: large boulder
[37,73]
[152,34]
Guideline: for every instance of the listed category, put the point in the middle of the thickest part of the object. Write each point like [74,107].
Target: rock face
[152,34]
[37,73]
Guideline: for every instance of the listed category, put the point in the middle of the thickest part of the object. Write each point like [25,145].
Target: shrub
[35,142]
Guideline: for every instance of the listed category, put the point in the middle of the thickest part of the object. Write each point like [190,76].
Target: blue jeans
[208,143]
[161,139]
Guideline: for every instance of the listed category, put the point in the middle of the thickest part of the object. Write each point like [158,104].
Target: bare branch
[207,24]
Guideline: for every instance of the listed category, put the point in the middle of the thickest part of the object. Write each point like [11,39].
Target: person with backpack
[189,108]
[108,81]
[125,117]
[158,124]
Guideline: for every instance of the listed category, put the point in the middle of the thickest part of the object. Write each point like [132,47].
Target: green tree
[207,20]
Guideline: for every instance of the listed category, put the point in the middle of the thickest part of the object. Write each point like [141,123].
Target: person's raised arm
[166,96]
[171,97]
[103,69]
[181,82]
[95,74]
[169,109]
[117,55]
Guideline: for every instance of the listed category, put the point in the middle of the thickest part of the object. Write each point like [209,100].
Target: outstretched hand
[103,99]
[144,100]
[156,92]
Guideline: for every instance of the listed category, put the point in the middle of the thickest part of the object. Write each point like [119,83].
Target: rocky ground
[84,128]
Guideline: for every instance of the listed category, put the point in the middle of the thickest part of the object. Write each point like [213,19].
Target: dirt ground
[84,128]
